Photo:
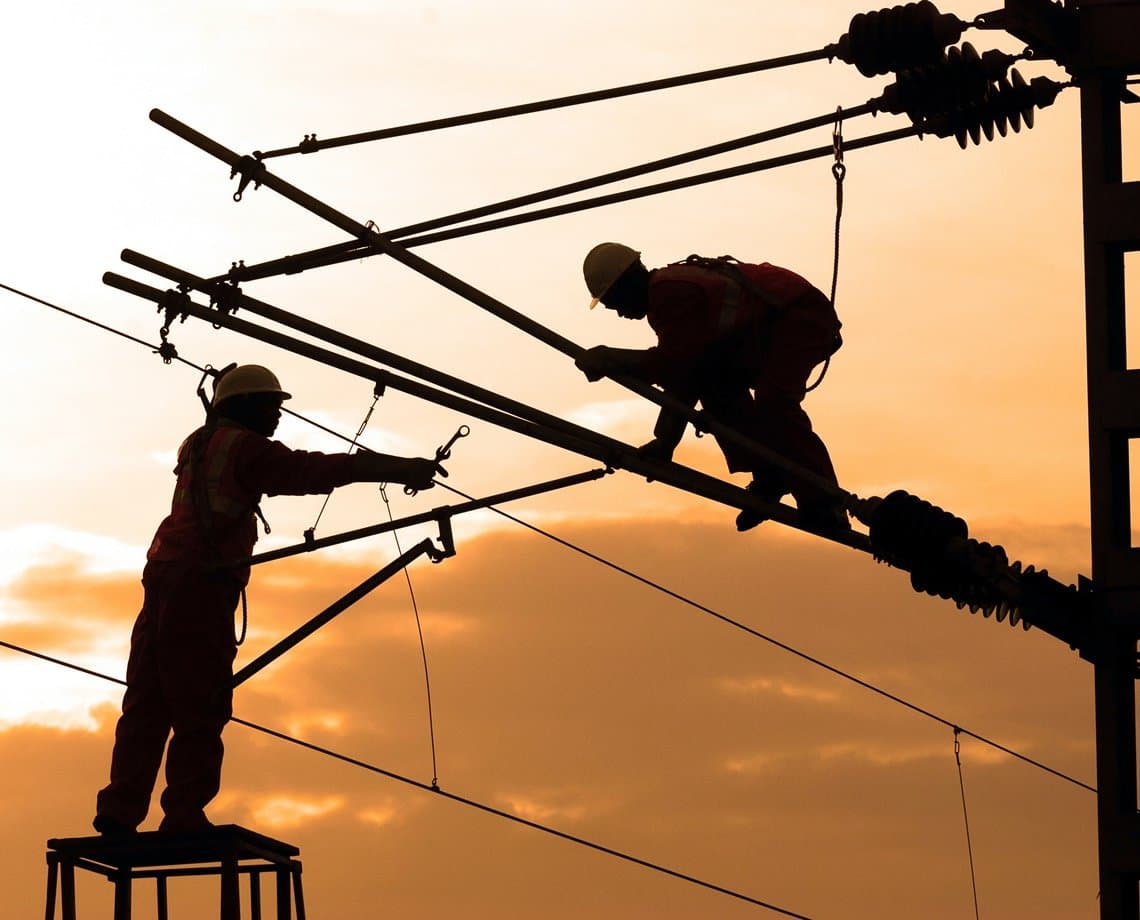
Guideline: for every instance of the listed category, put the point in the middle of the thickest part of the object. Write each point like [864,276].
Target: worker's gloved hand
[657,449]
[418,473]
[595,362]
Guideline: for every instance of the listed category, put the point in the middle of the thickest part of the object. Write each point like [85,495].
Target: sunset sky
[563,691]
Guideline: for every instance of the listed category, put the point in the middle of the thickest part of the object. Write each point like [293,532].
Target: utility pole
[1107,52]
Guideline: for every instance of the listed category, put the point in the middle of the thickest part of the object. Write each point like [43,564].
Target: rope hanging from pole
[420,633]
[839,171]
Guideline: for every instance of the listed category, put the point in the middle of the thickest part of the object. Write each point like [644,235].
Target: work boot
[185,824]
[825,517]
[111,827]
[766,490]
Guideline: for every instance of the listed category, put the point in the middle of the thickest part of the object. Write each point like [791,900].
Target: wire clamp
[225,297]
[251,170]
[172,306]
[167,352]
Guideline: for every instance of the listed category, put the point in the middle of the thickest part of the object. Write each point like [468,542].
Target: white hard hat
[604,264]
[247,378]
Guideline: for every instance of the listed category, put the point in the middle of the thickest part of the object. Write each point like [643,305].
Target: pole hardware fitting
[1008,103]
[897,38]
[935,547]
[225,297]
[167,352]
[309,144]
[172,306]
[1049,29]
[944,561]
[960,78]
[250,170]
[446,538]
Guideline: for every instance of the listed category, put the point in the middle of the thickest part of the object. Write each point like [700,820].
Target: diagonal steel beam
[255,172]
[622,457]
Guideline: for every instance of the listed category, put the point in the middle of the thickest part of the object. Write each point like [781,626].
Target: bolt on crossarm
[623,457]
[251,171]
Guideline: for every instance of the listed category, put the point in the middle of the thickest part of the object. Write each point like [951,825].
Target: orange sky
[563,692]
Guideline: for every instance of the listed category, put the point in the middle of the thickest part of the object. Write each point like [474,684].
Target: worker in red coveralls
[742,339]
[183,645]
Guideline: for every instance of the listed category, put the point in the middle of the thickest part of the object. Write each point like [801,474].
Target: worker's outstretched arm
[416,472]
[603,361]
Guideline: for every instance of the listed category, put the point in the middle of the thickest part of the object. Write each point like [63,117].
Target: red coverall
[745,350]
[182,645]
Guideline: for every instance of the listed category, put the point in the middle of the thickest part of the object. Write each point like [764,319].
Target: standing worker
[742,339]
[183,645]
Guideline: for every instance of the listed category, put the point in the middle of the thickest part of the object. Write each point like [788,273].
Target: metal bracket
[1048,28]
[251,170]
[424,547]
[446,540]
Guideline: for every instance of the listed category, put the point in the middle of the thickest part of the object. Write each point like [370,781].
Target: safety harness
[729,268]
[199,497]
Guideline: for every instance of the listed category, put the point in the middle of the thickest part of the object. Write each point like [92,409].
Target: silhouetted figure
[183,645]
[742,339]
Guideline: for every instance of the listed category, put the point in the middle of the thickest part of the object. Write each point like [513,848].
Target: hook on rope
[250,170]
[838,169]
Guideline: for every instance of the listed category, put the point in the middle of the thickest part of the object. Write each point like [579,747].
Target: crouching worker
[742,339]
[183,645]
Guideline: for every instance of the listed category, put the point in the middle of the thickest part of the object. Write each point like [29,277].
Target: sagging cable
[420,633]
[966,817]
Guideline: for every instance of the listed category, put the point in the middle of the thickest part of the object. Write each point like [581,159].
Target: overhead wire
[755,633]
[356,249]
[312,145]
[443,793]
[658,188]
[727,620]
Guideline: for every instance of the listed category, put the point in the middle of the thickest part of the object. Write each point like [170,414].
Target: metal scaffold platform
[227,851]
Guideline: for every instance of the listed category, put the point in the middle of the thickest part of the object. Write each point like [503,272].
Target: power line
[357,249]
[736,624]
[454,797]
[311,145]
[86,319]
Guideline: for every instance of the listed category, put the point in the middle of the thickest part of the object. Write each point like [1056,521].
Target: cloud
[283,812]
[568,694]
